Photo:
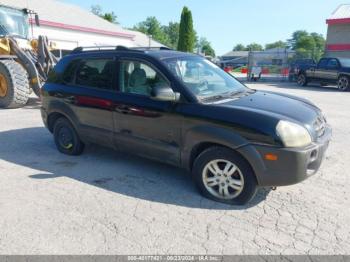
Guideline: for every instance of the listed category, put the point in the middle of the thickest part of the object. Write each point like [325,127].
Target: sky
[226,23]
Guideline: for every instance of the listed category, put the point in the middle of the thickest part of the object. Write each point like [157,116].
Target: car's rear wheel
[302,80]
[224,176]
[343,83]
[66,138]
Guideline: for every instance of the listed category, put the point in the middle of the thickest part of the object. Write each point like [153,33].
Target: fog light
[313,155]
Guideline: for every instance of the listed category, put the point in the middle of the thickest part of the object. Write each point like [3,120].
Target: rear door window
[96,73]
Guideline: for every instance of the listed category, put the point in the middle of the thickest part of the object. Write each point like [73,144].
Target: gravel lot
[105,202]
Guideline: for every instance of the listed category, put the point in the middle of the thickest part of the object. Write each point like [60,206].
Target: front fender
[196,136]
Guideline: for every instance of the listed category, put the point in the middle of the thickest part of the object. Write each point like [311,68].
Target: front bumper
[293,164]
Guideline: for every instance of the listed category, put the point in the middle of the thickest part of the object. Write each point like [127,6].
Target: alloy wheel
[343,83]
[301,80]
[223,179]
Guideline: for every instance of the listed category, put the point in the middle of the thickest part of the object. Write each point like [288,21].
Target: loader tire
[14,85]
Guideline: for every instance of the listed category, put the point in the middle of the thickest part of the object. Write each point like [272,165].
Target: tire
[302,80]
[239,175]
[343,83]
[66,138]
[14,85]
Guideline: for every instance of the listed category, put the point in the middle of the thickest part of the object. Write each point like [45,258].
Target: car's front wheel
[343,83]
[302,80]
[66,138]
[224,176]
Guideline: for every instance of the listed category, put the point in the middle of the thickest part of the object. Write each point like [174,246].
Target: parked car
[181,109]
[298,65]
[327,71]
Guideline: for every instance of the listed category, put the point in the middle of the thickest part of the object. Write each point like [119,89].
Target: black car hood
[286,107]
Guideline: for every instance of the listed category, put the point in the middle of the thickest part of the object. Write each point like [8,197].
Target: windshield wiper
[212,98]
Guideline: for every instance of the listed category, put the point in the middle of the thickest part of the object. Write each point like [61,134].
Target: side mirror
[37,21]
[164,93]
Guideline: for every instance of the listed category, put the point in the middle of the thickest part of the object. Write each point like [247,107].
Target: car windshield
[13,22]
[203,78]
[345,62]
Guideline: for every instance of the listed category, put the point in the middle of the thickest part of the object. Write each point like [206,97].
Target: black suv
[181,109]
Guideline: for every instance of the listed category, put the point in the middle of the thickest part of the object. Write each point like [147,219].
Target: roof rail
[151,48]
[81,49]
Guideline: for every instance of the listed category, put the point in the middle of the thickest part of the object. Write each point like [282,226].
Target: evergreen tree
[186,33]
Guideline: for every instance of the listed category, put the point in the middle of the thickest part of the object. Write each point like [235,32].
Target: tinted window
[96,73]
[138,78]
[323,63]
[332,63]
[69,73]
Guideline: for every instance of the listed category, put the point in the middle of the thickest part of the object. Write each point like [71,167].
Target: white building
[69,26]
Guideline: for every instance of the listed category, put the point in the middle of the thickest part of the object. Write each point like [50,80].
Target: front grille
[320,126]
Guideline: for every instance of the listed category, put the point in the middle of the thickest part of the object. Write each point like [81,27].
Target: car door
[144,126]
[332,70]
[89,95]
[321,70]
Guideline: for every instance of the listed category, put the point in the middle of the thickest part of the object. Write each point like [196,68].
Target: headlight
[293,135]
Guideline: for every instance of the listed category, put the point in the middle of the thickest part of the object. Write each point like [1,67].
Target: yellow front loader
[24,63]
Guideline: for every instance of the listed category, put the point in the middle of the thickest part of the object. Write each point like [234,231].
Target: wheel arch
[343,74]
[201,138]
[58,110]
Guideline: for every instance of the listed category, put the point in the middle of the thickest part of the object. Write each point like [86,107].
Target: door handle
[123,109]
[70,99]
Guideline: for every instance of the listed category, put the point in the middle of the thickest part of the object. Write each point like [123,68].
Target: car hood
[282,106]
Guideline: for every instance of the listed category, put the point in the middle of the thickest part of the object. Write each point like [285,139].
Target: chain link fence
[276,64]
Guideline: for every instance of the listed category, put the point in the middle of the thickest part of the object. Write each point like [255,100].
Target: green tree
[172,32]
[295,36]
[205,47]
[277,44]
[254,47]
[320,45]
[187,37]
[239,47]
[152,27]
[307,45]
[110,17]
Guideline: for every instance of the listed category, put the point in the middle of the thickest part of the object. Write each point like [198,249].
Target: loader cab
[13,22]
